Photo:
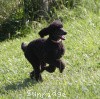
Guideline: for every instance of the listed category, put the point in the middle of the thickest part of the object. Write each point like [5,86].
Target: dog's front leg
[59,64]
[55,63]
[51,68]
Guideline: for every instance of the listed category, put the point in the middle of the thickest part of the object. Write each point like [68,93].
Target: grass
[81,78]
[9,7]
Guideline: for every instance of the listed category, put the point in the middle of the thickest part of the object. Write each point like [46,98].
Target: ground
[81,78]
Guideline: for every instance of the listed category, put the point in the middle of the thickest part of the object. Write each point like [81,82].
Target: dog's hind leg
[32,74]
[43,65]
[36,73]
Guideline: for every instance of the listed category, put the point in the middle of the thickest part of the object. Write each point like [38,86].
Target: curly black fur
[42,51]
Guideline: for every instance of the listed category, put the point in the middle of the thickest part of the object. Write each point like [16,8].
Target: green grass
[81,78]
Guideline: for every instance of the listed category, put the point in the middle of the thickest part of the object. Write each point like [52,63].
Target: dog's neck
[58,41]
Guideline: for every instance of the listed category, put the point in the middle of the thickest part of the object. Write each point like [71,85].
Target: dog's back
[35,48]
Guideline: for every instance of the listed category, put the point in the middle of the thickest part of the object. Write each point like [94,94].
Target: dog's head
[54,30]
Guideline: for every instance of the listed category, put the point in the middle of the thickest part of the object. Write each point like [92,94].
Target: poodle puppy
[42,51]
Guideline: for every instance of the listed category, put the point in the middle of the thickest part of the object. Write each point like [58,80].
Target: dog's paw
[32,75]
[61,69]
[39,79]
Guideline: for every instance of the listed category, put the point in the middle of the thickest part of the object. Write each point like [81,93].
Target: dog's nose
[65,33]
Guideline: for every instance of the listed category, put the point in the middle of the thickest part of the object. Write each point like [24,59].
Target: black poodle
[50,50]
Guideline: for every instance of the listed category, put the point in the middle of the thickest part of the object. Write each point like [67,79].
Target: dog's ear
[44,32]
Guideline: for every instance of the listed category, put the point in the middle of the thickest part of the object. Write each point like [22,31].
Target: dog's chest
[55,51]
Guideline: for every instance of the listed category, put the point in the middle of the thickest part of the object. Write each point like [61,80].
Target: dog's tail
[23,47]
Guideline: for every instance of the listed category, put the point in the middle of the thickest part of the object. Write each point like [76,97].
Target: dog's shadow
[19,85]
